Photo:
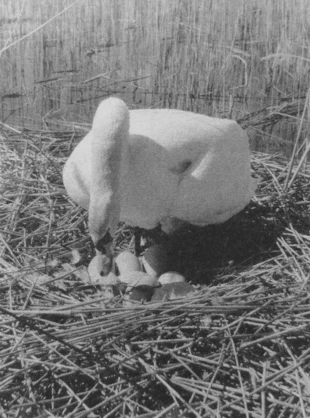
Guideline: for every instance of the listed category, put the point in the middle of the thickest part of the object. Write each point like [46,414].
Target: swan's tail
[109,139]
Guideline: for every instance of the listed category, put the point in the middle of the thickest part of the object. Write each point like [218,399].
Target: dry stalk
[238,347]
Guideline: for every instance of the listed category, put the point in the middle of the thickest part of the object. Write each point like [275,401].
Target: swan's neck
[109,136]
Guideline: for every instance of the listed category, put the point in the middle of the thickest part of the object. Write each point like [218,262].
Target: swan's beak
[104,254]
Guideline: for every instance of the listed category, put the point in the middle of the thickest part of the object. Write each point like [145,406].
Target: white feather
[147,167]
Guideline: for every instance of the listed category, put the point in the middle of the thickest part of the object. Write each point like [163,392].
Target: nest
[238,347]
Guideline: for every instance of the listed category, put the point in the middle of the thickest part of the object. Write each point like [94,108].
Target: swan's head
[104,216]
[104,252]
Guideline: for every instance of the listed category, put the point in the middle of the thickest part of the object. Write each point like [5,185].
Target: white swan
[149,167]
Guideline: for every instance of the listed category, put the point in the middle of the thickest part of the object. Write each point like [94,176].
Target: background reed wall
[227,58]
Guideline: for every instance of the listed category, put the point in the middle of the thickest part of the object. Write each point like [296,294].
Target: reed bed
[222,58]
[239,347]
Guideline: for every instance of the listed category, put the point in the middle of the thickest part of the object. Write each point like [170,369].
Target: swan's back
[187,166]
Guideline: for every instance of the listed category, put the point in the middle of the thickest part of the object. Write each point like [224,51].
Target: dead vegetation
[238,348]
[222,58]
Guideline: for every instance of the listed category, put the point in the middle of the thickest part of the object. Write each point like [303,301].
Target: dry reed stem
[238,347]
[240,57]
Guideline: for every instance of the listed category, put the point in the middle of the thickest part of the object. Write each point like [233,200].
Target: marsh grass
[222,58]
[238,348]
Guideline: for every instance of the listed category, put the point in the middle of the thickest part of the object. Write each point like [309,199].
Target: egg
[100,264]
[95,272]
[137,278]
[172,291]
[140,294]
[127,262]
[171,277]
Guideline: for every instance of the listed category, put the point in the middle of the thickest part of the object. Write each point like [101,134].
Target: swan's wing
[218,184]
[199,166]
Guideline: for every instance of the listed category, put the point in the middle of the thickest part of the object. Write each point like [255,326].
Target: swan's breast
[77,173]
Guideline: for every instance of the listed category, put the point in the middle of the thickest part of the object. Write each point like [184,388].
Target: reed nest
[239,347]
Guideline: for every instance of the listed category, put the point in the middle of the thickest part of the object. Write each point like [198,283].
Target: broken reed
[239,347]
[223,58]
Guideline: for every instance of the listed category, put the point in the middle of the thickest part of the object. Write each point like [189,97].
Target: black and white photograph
[154,209]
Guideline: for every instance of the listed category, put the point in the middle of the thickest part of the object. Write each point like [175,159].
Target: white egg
[137,278]
[171,277]
[127,262]
[95,271]
[172,291]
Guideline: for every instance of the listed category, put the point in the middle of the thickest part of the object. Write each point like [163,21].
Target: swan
[157,166]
